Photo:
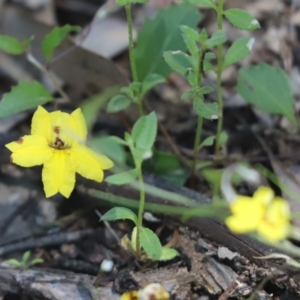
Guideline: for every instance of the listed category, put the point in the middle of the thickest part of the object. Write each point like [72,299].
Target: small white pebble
[107,265]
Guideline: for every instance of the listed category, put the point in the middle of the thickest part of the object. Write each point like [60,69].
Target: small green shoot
[25,263]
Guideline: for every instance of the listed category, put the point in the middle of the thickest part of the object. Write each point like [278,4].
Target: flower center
[58,143]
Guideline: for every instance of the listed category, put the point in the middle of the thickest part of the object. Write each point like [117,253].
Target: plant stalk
[200,118]
[141,205]
[131,54]
[219,78]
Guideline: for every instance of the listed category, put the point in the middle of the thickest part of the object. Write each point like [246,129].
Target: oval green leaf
[122,178]
[268,88]
[119,213]
[10,45]
[144,131]
[55,38]
[238,50]
[118,103]
[150,243]
[24,96]
[241,19]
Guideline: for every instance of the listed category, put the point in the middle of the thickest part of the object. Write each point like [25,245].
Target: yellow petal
[88,164]
[78,124]
[239,224]
[40,124]
[30,150]
[247,207]
[275,225]
[263,195]
[59,174]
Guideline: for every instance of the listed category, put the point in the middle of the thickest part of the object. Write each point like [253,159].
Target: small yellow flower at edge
[57,142]
[269,216]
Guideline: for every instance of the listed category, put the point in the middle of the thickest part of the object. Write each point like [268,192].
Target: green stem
[131,54]
[200,118]
[219,78]
[197,143]
[141,204]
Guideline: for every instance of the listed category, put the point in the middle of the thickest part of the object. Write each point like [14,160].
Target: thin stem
[141,204]
[131,43]
[131,55]
[39,66]
[219,78]
[197,143]
[200,118]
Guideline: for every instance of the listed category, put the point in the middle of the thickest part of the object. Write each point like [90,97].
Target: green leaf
[205,90]
[150,243]
[118,140]
[118,103]
[36,261]
[164,33]
[168,254]
[10,45]
[26,256]
[209,141]
[25,95]
[122,178]
[55,38]
[178,61]
[268,88]
[241,19]
[208,3]
[190,36]
[14,262]
[151,81]
[206,110]
[90,107]
[238,50]
[144,131]
[110,147]
[119,213]
[124,2]
[218,37]
[223,138]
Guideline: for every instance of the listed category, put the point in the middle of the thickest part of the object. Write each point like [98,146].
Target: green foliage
[208,3]
[268,88]
[118,103]
[11,45]
[218,38]
[150,243]
[91,107]
[122,178]
[164,33]
[110,147]
[168,254]
[241,19]
[24,263]
[178,61]
[25,95]
[55,38]
[144,131]
[119,213]
[125,2]
[209,141]
[208,111]
[238,50]
[150,82]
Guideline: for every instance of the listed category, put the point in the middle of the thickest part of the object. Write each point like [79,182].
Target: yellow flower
[57,142]
[152,291]
[268,216]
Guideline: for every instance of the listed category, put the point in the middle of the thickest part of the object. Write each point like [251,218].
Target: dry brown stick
[47,284]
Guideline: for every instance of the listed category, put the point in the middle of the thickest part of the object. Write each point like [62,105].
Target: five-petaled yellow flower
[57,142]
[264,213]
